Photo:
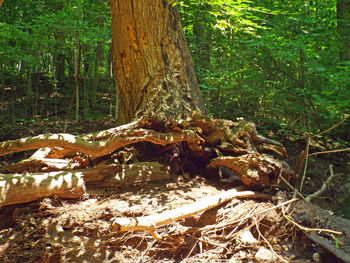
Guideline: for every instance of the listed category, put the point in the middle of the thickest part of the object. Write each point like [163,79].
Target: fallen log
[151,222]
[23,188]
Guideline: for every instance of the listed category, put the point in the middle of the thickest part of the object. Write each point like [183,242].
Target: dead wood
[151,222]
[255,169]
[329,246]
[23,188]
[311,215]
[185,147]
[96,148]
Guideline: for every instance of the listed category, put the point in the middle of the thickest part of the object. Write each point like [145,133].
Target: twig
[247,217]
[146,250]
[347,117]
[324,186]
[306,161]
[292,188]
[332,151]
[268,243]
[306,228]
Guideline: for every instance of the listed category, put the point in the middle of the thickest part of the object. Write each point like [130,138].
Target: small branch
[306,161]
[324,186]
[333,151]
[347,117]
[292,188]
[306,228]
[268,243]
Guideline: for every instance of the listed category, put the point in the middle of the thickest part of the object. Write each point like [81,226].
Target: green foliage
[32,37]
[275,62]
[271,62]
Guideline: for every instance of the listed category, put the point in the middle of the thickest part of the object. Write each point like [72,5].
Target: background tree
[277,63]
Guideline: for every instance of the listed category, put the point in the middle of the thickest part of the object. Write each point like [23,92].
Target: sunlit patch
[117,177]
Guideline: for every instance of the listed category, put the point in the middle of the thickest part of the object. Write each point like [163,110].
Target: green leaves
[270,61]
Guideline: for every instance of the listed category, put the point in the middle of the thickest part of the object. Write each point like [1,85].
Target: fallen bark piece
[151,222]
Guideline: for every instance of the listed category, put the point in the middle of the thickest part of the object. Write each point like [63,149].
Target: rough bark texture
[153,65]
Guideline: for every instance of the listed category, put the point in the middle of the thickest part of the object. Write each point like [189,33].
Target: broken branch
[151,222]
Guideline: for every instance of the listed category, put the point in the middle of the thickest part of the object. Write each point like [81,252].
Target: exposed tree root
[185,147]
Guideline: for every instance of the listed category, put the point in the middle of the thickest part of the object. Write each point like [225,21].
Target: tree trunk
[159,91]
[153,65]
[343,16]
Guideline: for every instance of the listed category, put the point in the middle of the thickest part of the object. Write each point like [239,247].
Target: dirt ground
[241,230]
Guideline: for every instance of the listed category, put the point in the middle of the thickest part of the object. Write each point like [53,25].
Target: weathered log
[23,188]
[151,222]
[195,140]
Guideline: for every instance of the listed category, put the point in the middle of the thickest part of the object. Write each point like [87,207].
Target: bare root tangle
[185,147]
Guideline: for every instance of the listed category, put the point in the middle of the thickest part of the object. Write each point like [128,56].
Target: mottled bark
[153,65]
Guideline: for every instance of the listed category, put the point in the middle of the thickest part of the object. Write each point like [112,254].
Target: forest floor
[241,230]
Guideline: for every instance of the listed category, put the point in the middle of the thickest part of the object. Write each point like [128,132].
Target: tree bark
[343,16]
[153,65]
[159,91]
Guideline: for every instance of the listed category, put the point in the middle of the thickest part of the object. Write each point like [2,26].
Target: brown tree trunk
[153,65]
[159,89]
[343,16]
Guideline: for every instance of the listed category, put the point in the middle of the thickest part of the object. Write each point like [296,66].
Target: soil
[241,230]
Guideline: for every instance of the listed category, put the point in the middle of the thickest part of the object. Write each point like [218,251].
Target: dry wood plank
[151,222]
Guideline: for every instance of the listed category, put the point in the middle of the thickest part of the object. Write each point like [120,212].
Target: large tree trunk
[159,93]
[153,64]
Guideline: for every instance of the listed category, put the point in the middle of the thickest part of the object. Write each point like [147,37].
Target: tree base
[185,147]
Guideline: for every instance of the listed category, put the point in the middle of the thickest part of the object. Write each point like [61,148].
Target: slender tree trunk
[153,65]
[343,16]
